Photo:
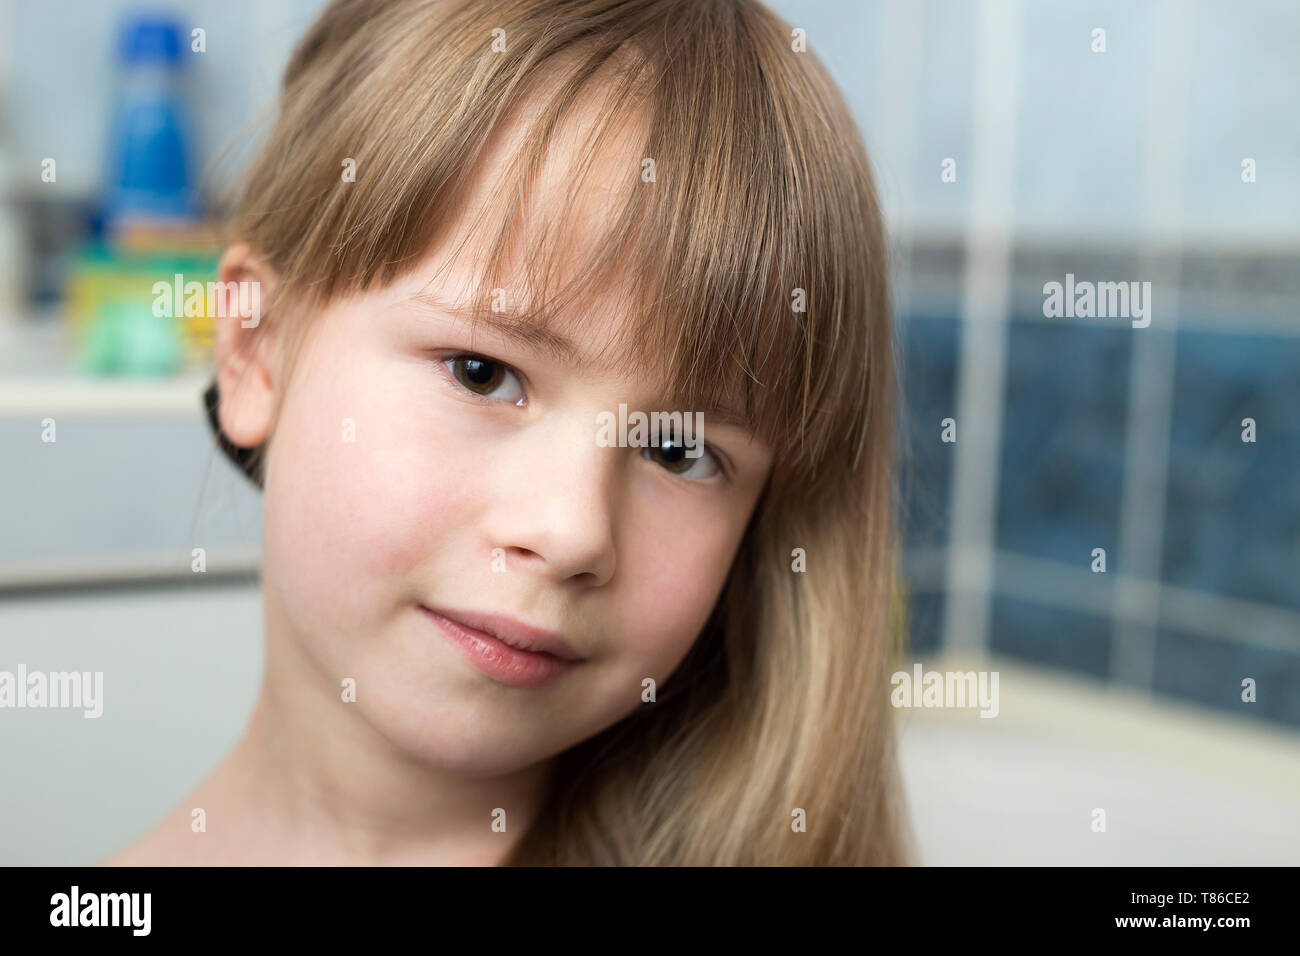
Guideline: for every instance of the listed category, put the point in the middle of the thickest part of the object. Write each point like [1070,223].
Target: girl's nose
[557,501]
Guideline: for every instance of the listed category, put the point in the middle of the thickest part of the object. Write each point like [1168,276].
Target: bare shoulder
[182,837]
[164,845]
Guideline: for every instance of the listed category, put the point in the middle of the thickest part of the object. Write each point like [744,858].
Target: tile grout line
[981,375]
[1151,374]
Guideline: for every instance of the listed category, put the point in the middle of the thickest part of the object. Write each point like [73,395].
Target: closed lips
[511,632]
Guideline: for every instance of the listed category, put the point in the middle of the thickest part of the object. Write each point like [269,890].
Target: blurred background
[1014,145]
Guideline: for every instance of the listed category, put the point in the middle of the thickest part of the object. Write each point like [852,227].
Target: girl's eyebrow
[512,325]
[719,415]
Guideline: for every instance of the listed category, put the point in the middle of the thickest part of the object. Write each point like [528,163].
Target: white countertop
[38,376]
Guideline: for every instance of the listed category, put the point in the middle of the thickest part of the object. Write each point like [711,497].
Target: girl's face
[414,469]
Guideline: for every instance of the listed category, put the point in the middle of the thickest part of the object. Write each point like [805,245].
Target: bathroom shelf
[180,397]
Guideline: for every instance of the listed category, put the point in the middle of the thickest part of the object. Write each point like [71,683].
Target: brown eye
[483,376]
[672,455]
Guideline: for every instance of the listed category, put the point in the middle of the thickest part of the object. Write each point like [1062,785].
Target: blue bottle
[149,167]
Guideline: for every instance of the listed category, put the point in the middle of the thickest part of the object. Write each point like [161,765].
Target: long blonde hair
[757,263]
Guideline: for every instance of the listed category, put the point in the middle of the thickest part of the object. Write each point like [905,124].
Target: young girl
[493,635]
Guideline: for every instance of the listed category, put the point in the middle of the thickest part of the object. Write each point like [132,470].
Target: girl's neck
[312,781]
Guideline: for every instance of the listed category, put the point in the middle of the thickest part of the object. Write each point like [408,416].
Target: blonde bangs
[723,264]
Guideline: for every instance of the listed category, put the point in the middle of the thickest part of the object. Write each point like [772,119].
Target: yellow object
[103,275]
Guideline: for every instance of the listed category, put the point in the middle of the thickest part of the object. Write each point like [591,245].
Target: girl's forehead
[574,186]
[590,337]
[591,340]
[561,219]
[522,230]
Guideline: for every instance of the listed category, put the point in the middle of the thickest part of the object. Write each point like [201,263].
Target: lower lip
[501,662]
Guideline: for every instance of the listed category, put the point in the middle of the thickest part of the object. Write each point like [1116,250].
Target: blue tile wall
[924,621]
[1063,439]
[1232,524]
[1232,520]
[1210,671]
[1051,635]
[928,374]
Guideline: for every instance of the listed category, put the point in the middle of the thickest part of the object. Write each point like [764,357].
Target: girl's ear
[245,351]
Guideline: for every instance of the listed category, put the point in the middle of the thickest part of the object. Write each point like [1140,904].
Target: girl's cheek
[677,579]
[376,470]
[393,482]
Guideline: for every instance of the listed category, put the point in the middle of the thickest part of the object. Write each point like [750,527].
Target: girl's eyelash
[446,361]
[724,465]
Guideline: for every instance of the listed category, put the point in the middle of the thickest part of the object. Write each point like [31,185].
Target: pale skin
[623,555]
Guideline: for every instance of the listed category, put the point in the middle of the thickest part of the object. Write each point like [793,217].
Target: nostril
[500,557]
